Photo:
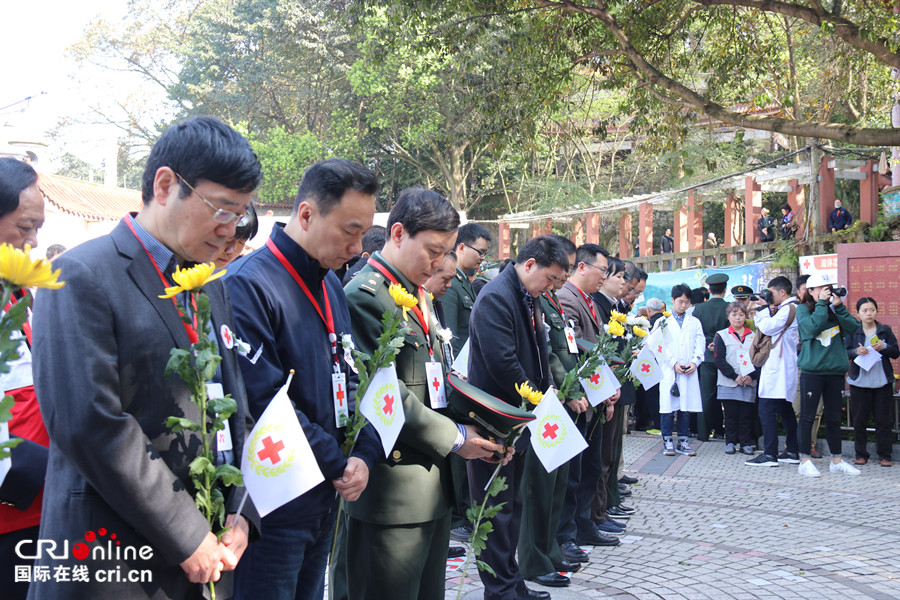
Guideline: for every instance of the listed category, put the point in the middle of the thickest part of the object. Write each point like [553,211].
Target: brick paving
[711,528]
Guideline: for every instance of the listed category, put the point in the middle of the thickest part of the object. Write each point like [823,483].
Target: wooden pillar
[542,228]
[868,193]
[645,228]
[680,231]
[503,245]
[695,222]
[592,228]
[796,198]
[826,192]
[732,221]
[578,233]
[752,209]
[625,245]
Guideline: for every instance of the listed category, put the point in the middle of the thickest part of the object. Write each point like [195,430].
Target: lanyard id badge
[223,436]
[570,340]
[339,395]
[436,392]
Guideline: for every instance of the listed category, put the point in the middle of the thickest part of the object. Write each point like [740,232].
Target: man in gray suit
[117,493]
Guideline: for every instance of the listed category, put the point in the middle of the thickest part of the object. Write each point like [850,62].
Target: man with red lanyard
[290,309]
[101,346]
[590,272]
[22,483]
[399,529]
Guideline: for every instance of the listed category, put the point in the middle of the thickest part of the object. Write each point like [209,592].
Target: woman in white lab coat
[679,391]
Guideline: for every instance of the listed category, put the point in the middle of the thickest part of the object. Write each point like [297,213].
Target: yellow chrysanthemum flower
[402,298]
[17,269]
[616,329]
[639,331]
[617,316]
[192,279]
[529,394]
[667,313]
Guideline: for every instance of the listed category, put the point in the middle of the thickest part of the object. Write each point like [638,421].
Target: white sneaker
[808,469]
[843,467]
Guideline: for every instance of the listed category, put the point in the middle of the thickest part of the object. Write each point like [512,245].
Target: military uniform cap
[717,278]
[472,406]
[742,291]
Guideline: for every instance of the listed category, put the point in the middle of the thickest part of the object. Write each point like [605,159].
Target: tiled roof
[90,201]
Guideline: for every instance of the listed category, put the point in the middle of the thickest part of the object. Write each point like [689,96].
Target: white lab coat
[778,376]
[684,344]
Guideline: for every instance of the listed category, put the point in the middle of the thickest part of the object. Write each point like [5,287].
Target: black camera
[839,291]
[764,295]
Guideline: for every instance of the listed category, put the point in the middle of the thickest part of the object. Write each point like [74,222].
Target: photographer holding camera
[776,318]
[824,321]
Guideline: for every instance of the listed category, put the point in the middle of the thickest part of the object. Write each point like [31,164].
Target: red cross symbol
[550,431]
[270,450]
[645,367]
[806,264]
[340,395]
[595,378]
[570,337]
[388,405]
[659,349]
[745,363]
[226,336]
[436,384]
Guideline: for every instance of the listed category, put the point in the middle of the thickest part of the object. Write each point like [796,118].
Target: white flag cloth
[646,369]
[656,342]
[461,362]
[601,385]
[554,437]
[745,365]
[278,464]
[383,407]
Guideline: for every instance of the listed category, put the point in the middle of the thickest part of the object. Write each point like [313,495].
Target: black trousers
[500,551]
[581,487]
[827,387]
[739,422]
[879,402]
[609,465]
[711,418]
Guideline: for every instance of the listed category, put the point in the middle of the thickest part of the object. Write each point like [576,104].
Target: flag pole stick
[241,505]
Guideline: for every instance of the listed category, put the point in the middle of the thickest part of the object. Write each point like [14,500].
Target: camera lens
[839,291]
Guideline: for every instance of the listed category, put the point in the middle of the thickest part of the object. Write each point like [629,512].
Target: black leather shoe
[456,552]
[628,480]
[627,509]
[624,492]
[567,567]
[533,595]
[597,539]
[618,513]
[551,580]
[573,553]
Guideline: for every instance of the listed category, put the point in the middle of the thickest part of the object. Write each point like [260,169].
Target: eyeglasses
[603,270]
[481,253]
[220,215]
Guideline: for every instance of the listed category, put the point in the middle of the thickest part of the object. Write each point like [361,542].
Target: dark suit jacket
[713,316]
[503,347]
[101,344]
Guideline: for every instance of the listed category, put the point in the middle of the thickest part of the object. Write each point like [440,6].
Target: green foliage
[480,516]
[785,256]
[11,338]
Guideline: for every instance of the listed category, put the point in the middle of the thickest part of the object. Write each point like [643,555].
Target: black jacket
[891,350]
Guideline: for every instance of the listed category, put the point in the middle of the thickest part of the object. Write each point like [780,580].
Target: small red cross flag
[645,368]
[745,366]
[277,462]
[554,437]
[601,385]
[383,406]
[656,342]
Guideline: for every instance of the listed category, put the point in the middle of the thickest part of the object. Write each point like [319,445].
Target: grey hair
[655,304]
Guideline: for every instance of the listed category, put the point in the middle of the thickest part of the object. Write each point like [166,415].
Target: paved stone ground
[709,527]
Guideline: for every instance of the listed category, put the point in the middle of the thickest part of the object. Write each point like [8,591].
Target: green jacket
[413,484]
[561,360]
[458,303]
[816,358]
[713,316]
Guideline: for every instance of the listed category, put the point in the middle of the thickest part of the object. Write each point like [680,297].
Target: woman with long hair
[823,322]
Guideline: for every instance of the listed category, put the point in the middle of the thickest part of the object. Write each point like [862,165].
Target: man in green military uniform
[398,530]
[540,557]
[472,242]
[713,316]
